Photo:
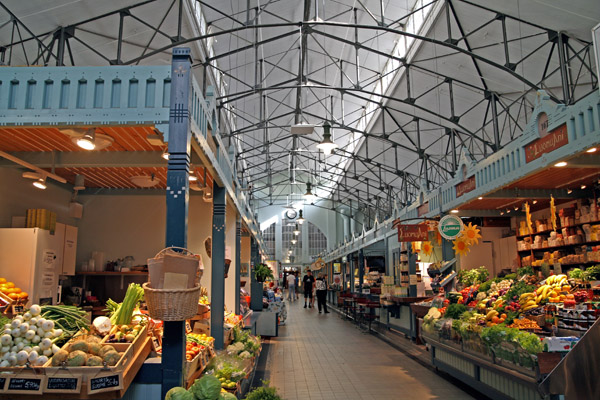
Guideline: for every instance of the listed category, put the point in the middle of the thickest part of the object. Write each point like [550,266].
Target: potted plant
[262,272]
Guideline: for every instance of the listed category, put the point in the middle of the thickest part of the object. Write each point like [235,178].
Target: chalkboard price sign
[105,382]
[27,384]
[63,384]
[2,384]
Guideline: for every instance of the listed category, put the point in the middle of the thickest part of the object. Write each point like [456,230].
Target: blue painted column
[238,260]
[173,354]
[361,269]
[256,288]
[351,259]
[217,292]
[412,270]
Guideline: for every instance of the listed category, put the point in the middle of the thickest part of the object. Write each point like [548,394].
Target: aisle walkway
[321,357]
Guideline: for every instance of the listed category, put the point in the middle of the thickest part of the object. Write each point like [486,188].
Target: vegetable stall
[505,335]
[64,355]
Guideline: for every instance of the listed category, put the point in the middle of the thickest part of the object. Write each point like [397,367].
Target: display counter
[401,316]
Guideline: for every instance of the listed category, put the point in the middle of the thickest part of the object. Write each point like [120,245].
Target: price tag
[63,384]
[413,279]
[18,309]
[188,327]
[26,384]
[105,382]
[2,384]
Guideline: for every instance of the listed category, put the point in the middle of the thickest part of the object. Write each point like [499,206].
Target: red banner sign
[412,233]
[465,186]
[554,140]
[423,209]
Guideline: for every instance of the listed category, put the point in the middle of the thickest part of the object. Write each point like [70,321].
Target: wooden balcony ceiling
[583,169]
[111,167]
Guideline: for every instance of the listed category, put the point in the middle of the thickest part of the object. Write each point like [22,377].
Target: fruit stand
[505,335]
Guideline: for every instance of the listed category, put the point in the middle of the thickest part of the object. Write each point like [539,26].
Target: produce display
[86,350]
[124,333]
[508,317]
[15,293]
[121,313]
[29,338]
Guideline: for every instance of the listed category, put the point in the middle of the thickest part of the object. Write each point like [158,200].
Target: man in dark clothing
[308,282]
[321,286]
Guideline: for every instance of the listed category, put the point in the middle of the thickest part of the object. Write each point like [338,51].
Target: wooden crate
[139,339]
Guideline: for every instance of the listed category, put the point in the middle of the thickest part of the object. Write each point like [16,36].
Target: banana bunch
[498,303]
[491,314]
[527,301]
[557,280]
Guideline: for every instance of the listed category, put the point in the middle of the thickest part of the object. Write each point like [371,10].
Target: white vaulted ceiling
[283,62]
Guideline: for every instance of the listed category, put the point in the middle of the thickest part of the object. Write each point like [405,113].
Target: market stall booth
[98,171]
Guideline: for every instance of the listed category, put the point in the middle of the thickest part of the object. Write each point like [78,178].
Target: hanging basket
[171,304]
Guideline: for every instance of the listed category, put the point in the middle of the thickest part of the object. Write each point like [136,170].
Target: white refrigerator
[33,259]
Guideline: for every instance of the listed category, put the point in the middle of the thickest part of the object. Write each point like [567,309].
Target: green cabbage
[179,393]
[206,388]
[227,396]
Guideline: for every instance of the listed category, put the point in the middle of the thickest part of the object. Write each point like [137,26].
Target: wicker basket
[171,304]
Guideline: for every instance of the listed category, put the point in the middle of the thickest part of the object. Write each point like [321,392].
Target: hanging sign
[63,383]
[105,382]
[412,233]
[466,186]
[553,140]
[26,384]
[450,227]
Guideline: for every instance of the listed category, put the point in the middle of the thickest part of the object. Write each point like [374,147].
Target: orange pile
[9,289]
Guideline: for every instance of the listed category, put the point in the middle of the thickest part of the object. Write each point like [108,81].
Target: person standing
[291,284]
[308,283]
[296,283]
[321,286]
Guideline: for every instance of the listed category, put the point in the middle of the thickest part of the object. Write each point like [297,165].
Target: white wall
[230,222]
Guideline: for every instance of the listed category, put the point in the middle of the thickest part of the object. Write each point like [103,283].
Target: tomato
[196,349]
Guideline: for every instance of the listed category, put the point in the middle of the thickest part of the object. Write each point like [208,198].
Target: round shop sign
[450,227]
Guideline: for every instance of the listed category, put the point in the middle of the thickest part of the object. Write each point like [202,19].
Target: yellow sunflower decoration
[471,234]
[426,248]
[461,246]
[414,248]
[528,218]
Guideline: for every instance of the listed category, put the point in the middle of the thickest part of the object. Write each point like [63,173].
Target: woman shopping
[321,286]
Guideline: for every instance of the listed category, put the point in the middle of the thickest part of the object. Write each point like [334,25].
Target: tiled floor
[321,357]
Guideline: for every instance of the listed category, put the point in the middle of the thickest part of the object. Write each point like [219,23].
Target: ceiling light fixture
[296,230]
[144,181]
[480,198]
[79,182]
[326,144]
[561,164]
[455,211]
[309,196]
[192,177]
[569,191]
[583,187]
[508,210]
[300,218]
[88,140]
[294,241]
[40,183]
[535,202]
[591,150]
[165,154]
[501,212]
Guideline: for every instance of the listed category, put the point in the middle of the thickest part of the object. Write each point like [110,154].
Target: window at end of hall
[317,241]
[269,238]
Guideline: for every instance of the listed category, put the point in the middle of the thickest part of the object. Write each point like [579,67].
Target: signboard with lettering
[555,139]
[2,384]
[25,384]
[63,383]
[105,382]
[423,209]
[450,227]
[412,233]
[466,186]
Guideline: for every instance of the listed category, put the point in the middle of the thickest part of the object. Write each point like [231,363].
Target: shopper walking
[291,284]
[321,286]
[296,282]
[308,283]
